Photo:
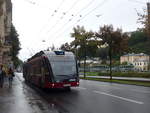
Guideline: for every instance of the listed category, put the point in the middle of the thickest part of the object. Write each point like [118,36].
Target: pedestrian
[2,74]
[10,76]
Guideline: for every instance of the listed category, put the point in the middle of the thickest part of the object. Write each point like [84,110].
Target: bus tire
[41,84]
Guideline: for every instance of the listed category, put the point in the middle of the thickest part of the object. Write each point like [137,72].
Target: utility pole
[85,57]
[148,29]
[148,20]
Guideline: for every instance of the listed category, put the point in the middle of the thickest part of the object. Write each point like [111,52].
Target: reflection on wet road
[90,97]
[22,99]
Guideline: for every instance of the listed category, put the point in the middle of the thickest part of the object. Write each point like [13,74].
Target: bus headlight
[53,85]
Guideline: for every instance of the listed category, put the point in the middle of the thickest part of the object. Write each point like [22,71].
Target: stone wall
[5,29]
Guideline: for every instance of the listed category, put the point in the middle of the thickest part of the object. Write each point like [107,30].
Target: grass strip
[130,82]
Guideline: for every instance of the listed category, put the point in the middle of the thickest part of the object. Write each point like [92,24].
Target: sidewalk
[121,78]
[20,98]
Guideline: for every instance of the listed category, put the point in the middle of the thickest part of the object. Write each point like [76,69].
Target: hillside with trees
[139,42]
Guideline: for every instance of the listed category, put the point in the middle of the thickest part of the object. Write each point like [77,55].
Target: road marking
[122,98]
[82,88]
[116,87]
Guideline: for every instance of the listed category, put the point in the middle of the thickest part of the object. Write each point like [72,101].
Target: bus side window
[46,70]
[39,71]
[43,66]
[42,70]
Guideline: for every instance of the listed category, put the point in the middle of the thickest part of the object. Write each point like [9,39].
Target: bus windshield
[67,68]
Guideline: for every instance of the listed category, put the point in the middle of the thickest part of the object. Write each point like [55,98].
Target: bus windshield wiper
[69,75]
[72,74]
[62,75]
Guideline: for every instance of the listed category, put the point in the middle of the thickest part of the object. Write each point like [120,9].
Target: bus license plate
[72,80]
[66,85]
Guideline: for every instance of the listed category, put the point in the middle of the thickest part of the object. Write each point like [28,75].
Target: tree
[138,42]
[102,53]
[137,37]
[144,19]
[82,39]
[92,47]
[114,39]
[65,47]
[15,46]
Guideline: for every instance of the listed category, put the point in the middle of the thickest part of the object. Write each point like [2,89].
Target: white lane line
[116,87]
[82,88]
[122,98]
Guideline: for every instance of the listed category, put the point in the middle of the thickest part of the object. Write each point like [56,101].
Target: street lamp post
[84,57]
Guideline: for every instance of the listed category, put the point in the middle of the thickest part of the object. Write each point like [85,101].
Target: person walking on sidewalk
[10,76]
[2,75]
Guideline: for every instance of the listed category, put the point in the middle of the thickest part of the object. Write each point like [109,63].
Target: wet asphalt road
[20,98]
[90,97]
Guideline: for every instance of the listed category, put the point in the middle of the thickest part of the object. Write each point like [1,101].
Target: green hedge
[120,74]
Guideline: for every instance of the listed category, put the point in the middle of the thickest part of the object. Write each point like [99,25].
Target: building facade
[5,29]
[141,62]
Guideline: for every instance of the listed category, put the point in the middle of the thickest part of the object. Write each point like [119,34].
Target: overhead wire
[31,52]
[64,14]
[86,6]
[35,3]
[30,1]
[72,6]
[81,10]
[61,3]
[100,4]
[53,14]
[136,1]
[73,16]
[56,10]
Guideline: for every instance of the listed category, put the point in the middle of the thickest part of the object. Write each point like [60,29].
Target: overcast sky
[53,20]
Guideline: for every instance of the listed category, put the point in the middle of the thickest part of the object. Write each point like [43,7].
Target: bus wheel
[41,84]
[67,88]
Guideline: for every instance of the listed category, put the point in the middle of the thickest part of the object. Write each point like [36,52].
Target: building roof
[133,54]
[140,60]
